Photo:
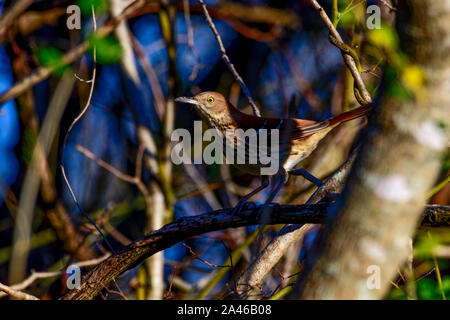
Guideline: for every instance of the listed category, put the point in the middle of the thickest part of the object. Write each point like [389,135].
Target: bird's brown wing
[305,128]
[297,128]
[293,128]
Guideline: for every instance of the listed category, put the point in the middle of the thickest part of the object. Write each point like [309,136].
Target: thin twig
[136,180]
[152,77]
[82,113]
[349,61]
[119,174]
[44,72]
[250,281]
[91,90]
[202,185]
[204,261]
[12,13]
[50,274]
[17,294]
[190,41]
[75,200]
[147,139]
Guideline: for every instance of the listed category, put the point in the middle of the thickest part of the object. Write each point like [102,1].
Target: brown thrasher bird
[297,137]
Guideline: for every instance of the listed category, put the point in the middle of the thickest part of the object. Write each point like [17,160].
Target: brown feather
[298,128]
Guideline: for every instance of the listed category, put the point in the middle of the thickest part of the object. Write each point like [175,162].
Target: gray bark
[398,164]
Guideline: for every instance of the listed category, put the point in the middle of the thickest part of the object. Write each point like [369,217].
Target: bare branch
[17,294]
[250,282]
[44,72]
[12,13]
[50,274]
[349,61]
[227,59]
[119,174]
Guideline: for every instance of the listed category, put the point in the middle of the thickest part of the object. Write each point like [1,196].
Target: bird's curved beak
[188,100]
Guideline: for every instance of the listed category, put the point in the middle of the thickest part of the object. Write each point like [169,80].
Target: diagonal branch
[16,293]
[348,59]
[11,14]
[227,59]
[44,72]
[250,282]
[49,274]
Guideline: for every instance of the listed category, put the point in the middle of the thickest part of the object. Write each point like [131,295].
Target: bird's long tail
[332,122]
[349,115]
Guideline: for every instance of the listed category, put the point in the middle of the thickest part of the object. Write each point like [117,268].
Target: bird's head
[212,105]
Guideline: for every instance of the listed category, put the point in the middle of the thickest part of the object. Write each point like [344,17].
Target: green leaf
[427,289]
[52,57]
[398,294]
[100,6]
[347,20]
[424,247]
[446,285]
[108,49]
[385,37]
[394,86]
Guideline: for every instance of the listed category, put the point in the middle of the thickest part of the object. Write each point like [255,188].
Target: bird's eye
[210,99]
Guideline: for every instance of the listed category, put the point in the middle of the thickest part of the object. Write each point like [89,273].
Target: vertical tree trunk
[397,166]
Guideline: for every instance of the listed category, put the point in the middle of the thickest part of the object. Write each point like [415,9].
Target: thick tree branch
[189,227]
[16,293]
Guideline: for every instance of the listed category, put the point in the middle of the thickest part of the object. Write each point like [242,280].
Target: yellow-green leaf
[385,37]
